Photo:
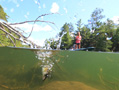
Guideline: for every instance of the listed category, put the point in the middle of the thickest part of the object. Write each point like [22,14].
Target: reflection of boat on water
[84,49]
[38,49]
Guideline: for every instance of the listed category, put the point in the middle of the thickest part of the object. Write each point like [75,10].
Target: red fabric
[78,39]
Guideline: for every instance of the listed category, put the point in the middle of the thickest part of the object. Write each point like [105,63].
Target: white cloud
[115,19]
[17,5]
[21,0]
[42,28]
[35,1]
[44,6]
[55,8]
[39,42]
[12,10]
[65,10]
[27,27]
[37,28]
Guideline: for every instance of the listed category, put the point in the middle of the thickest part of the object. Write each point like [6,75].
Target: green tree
[3,15]
[53,43]
[104,31]
[66,39]
[96,18]
[110,28]
[47,43]
[85,33]
[94,25]
[6,39]
[71,28]
[115,40]
[102,44]
[79,25]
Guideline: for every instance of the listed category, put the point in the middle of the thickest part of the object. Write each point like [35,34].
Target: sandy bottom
[66,85]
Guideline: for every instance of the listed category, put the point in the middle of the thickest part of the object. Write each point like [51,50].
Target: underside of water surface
[23,69]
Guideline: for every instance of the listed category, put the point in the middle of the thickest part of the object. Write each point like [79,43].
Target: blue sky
[69,11]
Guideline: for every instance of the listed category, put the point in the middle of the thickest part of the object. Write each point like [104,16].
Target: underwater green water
[21,69]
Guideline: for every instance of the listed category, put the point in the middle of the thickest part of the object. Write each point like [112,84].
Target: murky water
[22,69]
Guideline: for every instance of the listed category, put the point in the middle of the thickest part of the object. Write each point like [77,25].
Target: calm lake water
[22,69]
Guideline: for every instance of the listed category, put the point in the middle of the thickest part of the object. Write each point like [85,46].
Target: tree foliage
[66,39]
[3,15]
[115,40]
[5,38]
[104,36]
[85,33]
[10,36]
[96,18]
[100,31]
[101,35]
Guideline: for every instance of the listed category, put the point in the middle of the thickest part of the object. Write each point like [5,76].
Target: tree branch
[31,21]
[1,43]
[13,30]
[18,35]
[8,33]
[11,40]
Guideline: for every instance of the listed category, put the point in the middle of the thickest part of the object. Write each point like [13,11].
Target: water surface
[21,69]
